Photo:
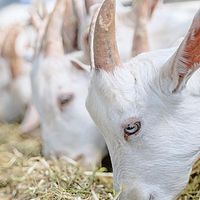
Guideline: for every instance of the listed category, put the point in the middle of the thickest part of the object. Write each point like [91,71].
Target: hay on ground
[25,174]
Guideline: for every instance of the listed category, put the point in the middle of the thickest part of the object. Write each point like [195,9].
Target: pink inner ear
[191,45]
[75,64]
[192,50]
[187,58]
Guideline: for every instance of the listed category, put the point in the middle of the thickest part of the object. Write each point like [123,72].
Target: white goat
[15,84]
[59,93]
[17,47]
[15,79]
[147,110]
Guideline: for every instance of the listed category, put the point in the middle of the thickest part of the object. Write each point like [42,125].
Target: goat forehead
[51,66]
[147,65]
[136,81]
[56,72]
[132,91]
[127,87]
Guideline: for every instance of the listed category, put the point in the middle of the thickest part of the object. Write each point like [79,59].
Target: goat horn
[140,40]
[80,10]
[10,53]
[52,43]
[70,29]
[44,10]
[91,38]
[106,55]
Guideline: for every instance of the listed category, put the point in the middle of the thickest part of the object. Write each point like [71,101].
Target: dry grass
[25,174]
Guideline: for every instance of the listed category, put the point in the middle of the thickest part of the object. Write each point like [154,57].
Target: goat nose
[151,197]
[79,157]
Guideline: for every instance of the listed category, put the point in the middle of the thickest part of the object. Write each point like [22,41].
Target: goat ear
[79,65]
[31,120]
[186,59]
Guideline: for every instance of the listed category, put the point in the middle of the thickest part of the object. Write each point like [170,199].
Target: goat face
[146,112]
[59,92]
[159,156]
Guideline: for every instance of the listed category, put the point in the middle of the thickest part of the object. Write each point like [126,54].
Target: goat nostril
[78,158]
[151,197]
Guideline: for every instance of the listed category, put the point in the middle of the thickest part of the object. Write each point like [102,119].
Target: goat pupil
[65,100]
[133,128]
[130,127]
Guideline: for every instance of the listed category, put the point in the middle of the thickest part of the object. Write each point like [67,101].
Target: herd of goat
[147,111]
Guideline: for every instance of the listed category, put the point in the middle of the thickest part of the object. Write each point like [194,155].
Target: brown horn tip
[106,55]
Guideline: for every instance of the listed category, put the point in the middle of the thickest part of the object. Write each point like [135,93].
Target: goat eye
[132,128]
[66,99]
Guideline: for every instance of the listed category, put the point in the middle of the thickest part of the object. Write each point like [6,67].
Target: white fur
[68,132]
[155,163]
[20,13]
[15,93]
[8,107]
